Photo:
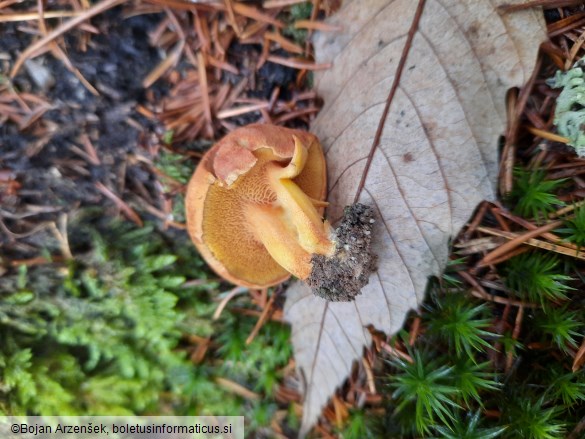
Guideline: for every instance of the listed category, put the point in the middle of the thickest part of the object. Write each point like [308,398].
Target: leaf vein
[410,275]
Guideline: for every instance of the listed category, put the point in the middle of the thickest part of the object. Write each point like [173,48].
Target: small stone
[40,74]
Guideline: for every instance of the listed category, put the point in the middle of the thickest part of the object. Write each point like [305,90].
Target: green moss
[176,171]
[176,166]
[464,381]
[537,277]
[574,228]
[299,11]
[460,323]
[534,196]
[106,333]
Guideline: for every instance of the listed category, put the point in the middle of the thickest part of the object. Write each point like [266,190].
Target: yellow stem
[291,229]
[279,239]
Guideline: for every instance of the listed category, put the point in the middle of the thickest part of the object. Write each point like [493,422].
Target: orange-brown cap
[255,202]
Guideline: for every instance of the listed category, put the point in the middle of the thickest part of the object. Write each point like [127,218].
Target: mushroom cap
[229,177]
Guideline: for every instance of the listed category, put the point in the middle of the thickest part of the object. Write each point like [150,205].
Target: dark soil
[264,80]
[261,83]
[52,176]
[341,277]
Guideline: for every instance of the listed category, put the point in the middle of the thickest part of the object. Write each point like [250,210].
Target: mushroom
[255,204]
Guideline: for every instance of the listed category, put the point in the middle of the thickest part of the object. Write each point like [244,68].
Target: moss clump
[473,376]
[109,332]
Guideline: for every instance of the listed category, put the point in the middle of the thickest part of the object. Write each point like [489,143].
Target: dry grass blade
[296,114]
[515,242]
[477,245]
[574,50]
[340,411]
[298,63]
[210,6]
[238,111]
[255,14]
[232,17]
[546,135]
[283,42]
[480,292]
[566,24]
[201,101]
[40,260]
[371,382]
[31,232]
[317,25]
[270,4]
[26,16]
[22,109]
[566,210]
[61,55]
[396,352]
[61,235]
[268,309]
[238,389]
[515,335]
[557,248]
[204,94]
[127,210]
[8,3]
[579,357]
[170,61]
[545,4]
[499,212]
[515,107]
[233,293]
[223,65]
[90,150]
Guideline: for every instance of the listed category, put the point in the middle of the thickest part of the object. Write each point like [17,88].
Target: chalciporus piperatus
[254,209]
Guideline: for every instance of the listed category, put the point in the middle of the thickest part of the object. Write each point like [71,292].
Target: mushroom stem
[292,229]
[314,234]
[279,239]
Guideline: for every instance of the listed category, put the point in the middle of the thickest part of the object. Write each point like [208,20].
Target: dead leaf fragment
[433,162]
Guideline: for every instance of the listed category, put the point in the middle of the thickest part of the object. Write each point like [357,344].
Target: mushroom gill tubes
[254,210]
[291,228]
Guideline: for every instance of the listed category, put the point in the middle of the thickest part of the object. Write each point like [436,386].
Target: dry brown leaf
[435,162]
